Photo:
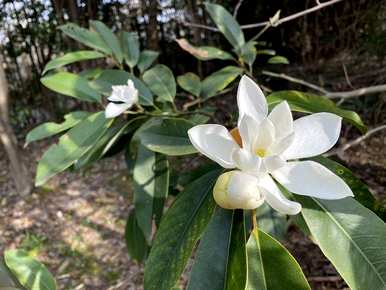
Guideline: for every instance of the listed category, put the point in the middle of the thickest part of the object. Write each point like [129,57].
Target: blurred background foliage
[340,47]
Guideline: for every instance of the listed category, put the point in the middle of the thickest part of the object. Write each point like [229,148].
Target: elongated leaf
[203,52]
[271,266]
[72,145]
[7,279]
[266,51]
[87,37]
[180,229]
[278,59]
[109,38]
[219,80]
[72,85]
[72,57]
[161,82]
[130,48]
[360,189]
[146,59]
[113,77]
[29,272]
[226,24]
[310,103]
[271,221]
[50,128]
[351,237]
[135,239]
[151,183]
[191,83]
[248,52]
[166,136]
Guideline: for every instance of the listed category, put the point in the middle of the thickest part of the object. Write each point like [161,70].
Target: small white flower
[125,96]
[264,147]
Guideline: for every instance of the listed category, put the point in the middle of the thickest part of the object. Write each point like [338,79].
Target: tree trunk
[18,169]
[152,27]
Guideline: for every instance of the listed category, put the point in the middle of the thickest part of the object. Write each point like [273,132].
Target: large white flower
[122,98]
[264,148]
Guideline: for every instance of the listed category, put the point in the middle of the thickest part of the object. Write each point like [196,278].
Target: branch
[237,7]
[328,94]
[343,148]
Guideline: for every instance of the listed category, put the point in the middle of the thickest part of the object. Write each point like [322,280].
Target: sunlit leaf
[161,82]
[278,59]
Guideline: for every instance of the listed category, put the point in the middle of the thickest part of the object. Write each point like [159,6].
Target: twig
[343,148]
[238,5]
[328,94]
[346,76]
[320,279]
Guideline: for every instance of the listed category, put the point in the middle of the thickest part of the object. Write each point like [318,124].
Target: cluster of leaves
[231,254]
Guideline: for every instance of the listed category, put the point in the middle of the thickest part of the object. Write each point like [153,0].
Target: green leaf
[266,51]
[7,279]
[109,38]
[271,221]
[113,77]
[360,189]
[310,103]
[72,85]
[226,24]
[278,59]
[72,57]
[248,52]
[219,80]
[166,136]
[191,83]
[146,59]
[130,47]
[72,146]
[50,128]
[180,229]
[135,239]
[85,36]
[161,82]
[351,237]
[151,183]
[203,52]
[221,256]
[29,272]
[271,266]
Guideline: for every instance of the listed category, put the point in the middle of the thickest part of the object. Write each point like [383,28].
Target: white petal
[266,136]
[281,118]
[248,129]
[246,161]
[312,179]
[276,199]
[280,146]
[215,142]
[113,110]
[314,135]
[117,94]
[272,163]
[251,100]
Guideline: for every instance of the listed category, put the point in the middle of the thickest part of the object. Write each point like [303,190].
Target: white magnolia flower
[125,97]
[265,148]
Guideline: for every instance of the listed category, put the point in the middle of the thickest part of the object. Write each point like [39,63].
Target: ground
[75,223]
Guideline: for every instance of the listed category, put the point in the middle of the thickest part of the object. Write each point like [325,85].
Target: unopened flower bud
[237,190]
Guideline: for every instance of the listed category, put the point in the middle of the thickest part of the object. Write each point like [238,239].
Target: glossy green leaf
[130,47]
[151,183]
[248,52]
[113,77]
[85,36]
[271,266]
[271,221]
[266,51]
[161,82]
[7,279]
[72,146]
[166,136]
[91,73]
[310,103]
[135,239]
[146,59]
[360,189]
[191,83]
[226,24]
[29,272]
[219,80]
[180,229]
[278,59]
[203,52]
[72,85]
[72,57]
[109,38]
[351,237]
[50,128]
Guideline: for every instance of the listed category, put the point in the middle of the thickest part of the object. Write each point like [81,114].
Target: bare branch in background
[238,5]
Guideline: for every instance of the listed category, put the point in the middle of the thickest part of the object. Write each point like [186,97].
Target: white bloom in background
[264,148]
[125,96]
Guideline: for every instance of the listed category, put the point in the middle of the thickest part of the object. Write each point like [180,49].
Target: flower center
[260,152]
